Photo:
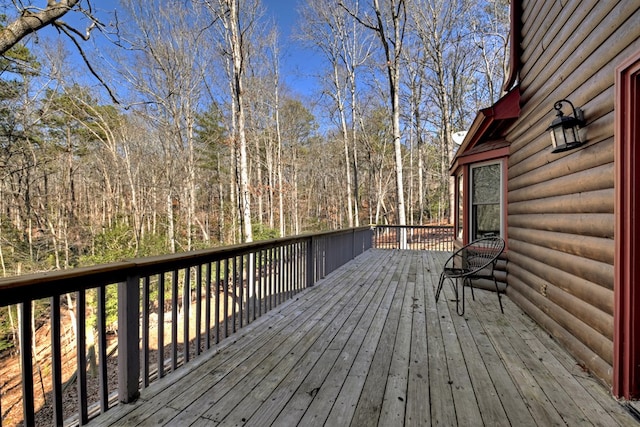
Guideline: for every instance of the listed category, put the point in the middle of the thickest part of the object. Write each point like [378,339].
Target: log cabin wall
[561,206]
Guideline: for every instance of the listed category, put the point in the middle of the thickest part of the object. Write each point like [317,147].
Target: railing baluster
[145,332]
[285,273]
[271,277]
[56,361]
[207,307]
[81,356]
[302,280]
[198,325]
[292,263]
[174,320]
[234,306]
[226,297]
[160,368]
[275,262]
[301,271]
[102,348]
[295,269]
[251,291]
[258,283]
[241,283]
[186,304]
[217,301]
[289,292]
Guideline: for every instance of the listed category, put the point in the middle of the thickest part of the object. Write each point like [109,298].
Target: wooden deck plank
[488,402]
[336,403]
[598,403]
[368,345]
[537,401]
[441,391]
[464,399]
[417,401]
[254,388]
[303,383]
[545,371]
[336,359]
[392,411]
[280,384]
[568,383]
[159,417]
[367,409]
[206,390]
[209,369]
[507,393]
[241,373]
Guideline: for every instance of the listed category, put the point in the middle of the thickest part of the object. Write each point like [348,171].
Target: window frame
[501,190]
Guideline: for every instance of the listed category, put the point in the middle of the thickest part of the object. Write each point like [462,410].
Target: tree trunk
[171,234]
[30,22]
[237,54]
[392,52]
[345,140]
[354,143]
[280,178]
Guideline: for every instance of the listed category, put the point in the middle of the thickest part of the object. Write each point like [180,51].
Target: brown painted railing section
[169,310]
[419,237]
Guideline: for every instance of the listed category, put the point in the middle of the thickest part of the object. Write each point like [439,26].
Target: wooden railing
[420,237]
[141,319]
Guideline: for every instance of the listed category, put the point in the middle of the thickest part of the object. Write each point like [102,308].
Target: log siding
[561,206]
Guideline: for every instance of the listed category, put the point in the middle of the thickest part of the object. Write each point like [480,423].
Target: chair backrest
[482,252]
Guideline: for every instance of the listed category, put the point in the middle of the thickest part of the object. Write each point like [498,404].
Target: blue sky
[298,65]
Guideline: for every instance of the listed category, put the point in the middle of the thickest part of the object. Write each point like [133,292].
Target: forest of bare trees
[143,129]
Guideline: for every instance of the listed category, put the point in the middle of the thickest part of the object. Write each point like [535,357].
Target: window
[485,200]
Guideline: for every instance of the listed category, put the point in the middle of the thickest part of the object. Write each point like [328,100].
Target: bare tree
[439,25]
[490,30]
[168,77]
[275,61]
[236,19]
[388,24]
[32,18]
[328,28]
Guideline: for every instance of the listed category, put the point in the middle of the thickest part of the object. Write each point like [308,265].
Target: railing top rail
[30,286]
[413,226]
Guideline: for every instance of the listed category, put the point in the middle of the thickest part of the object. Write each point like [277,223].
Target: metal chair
[476,260]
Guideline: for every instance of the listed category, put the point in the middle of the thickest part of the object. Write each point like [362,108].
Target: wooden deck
[369,346]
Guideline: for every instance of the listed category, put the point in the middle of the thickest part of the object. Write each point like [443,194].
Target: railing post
[353,243]
[371,235]
[310,262]
[402,232]
[128,339]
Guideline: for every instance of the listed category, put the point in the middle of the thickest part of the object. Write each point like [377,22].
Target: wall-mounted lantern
[564,129]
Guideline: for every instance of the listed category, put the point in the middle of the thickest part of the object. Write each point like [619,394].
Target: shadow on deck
[369,346]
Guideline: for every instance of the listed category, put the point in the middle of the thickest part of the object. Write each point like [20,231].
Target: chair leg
[499,296]
[440,284]
[460,300]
